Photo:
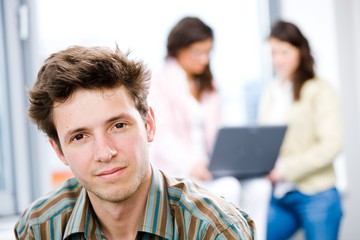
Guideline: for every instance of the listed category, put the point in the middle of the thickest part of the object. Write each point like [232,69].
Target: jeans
[318,215]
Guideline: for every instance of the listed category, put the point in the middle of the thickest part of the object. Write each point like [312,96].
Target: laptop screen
[246,151]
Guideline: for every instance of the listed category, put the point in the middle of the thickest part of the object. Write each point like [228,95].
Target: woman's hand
[275,176]
[200,171]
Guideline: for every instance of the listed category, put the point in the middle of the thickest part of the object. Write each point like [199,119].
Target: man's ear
[150,125]
[58,151]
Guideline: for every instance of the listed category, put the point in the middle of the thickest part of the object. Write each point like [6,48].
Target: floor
[7,227]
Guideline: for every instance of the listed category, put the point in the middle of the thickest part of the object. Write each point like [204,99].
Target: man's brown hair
[89,68]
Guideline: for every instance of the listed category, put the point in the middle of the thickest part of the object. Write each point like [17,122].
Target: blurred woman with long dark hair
[304,196]
[185,98]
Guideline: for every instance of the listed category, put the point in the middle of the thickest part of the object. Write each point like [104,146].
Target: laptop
[247,151]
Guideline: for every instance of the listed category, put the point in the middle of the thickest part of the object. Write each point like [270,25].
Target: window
[15,190]
[6,180]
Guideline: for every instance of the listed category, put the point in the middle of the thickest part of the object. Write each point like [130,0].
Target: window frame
[16,150]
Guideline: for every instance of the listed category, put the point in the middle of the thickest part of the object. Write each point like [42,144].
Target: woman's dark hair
[289,32]
[187,31]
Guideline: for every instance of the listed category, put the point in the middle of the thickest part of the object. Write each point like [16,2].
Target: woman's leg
[282,220]
[320,214]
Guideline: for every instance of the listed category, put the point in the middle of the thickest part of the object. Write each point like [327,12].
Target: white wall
[316,20]
[348,34]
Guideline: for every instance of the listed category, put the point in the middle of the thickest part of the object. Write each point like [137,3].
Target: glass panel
[2,101]
[6,176]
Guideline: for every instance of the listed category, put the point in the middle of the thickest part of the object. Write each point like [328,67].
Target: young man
[92,104]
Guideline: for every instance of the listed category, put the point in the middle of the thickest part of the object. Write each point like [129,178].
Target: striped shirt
[175,209]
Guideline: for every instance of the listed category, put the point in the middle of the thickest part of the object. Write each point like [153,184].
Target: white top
[282,100]
[282,97]
[185,127]
[197,130]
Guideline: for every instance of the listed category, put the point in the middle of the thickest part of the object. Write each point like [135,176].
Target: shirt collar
[82,219]
[157,219]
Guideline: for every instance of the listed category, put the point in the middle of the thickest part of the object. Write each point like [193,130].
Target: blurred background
[32,29]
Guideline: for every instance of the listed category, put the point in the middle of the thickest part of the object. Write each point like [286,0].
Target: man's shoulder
[58,203]
[190,202]
[196,199]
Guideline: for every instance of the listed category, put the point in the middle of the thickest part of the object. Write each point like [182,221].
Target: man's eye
[119,125]
[78,137]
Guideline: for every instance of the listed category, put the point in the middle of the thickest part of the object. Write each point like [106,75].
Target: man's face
[104,140]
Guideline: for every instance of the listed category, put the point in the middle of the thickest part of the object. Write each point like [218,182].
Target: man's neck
[122,219]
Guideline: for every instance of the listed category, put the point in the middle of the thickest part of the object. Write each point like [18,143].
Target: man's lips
[111,171]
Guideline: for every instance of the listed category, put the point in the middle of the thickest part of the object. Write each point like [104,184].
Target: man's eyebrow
[120,116]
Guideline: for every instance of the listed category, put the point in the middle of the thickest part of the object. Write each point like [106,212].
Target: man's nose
[105,148]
